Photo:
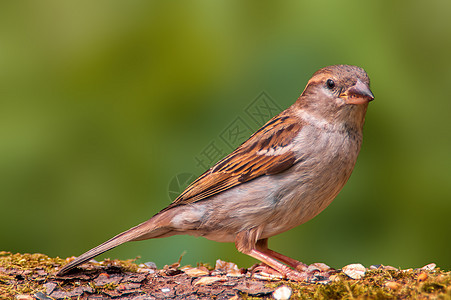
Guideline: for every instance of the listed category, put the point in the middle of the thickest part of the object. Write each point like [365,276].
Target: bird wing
[266,152]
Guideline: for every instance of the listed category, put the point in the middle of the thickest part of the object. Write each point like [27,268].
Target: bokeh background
[103,103]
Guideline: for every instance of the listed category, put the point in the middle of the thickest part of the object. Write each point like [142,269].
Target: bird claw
[308,277]
[264,271]
[301,267]
[318,273]
[297,276]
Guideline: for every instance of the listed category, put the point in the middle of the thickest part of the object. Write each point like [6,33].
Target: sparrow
[285,174]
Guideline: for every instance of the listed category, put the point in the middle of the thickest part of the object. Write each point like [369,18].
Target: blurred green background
[103,103]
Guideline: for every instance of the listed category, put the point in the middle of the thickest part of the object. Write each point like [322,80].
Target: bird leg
[315,273]
[262,245]
[278,266]
[248,243]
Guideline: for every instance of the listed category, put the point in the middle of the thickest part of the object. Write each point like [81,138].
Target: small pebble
[392,285]
[49,287]
[148,265]
[165,290]
[42,296]
[422,277]
[375,267]
[226,266]
[354,271]
[282,293]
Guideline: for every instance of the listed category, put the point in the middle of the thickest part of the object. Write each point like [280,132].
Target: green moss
[29,261]
[27,265]
[374,286]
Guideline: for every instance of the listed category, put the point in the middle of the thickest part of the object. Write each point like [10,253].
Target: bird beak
[359,93]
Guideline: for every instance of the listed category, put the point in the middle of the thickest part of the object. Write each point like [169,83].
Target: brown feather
[245,163]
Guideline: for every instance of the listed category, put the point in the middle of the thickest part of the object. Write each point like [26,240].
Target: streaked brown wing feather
[245,164]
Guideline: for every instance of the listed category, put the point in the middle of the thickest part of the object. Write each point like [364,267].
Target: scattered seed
[226,266]
[195,272]
[24,297]
[235,273]
[392,285]
[422,277]
[209,280]
[429,267]
[354,271]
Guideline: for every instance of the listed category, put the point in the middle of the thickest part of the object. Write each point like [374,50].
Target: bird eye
[330,83]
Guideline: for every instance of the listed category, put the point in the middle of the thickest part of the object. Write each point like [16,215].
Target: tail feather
[147,230]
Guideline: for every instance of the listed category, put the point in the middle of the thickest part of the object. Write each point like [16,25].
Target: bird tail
[152,228]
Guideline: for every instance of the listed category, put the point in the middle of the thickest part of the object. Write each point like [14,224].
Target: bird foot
[263,271]
[318,273]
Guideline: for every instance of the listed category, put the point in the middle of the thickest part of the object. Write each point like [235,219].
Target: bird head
[338,93]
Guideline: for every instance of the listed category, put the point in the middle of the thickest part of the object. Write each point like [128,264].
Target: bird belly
[312,184]
[274,203]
